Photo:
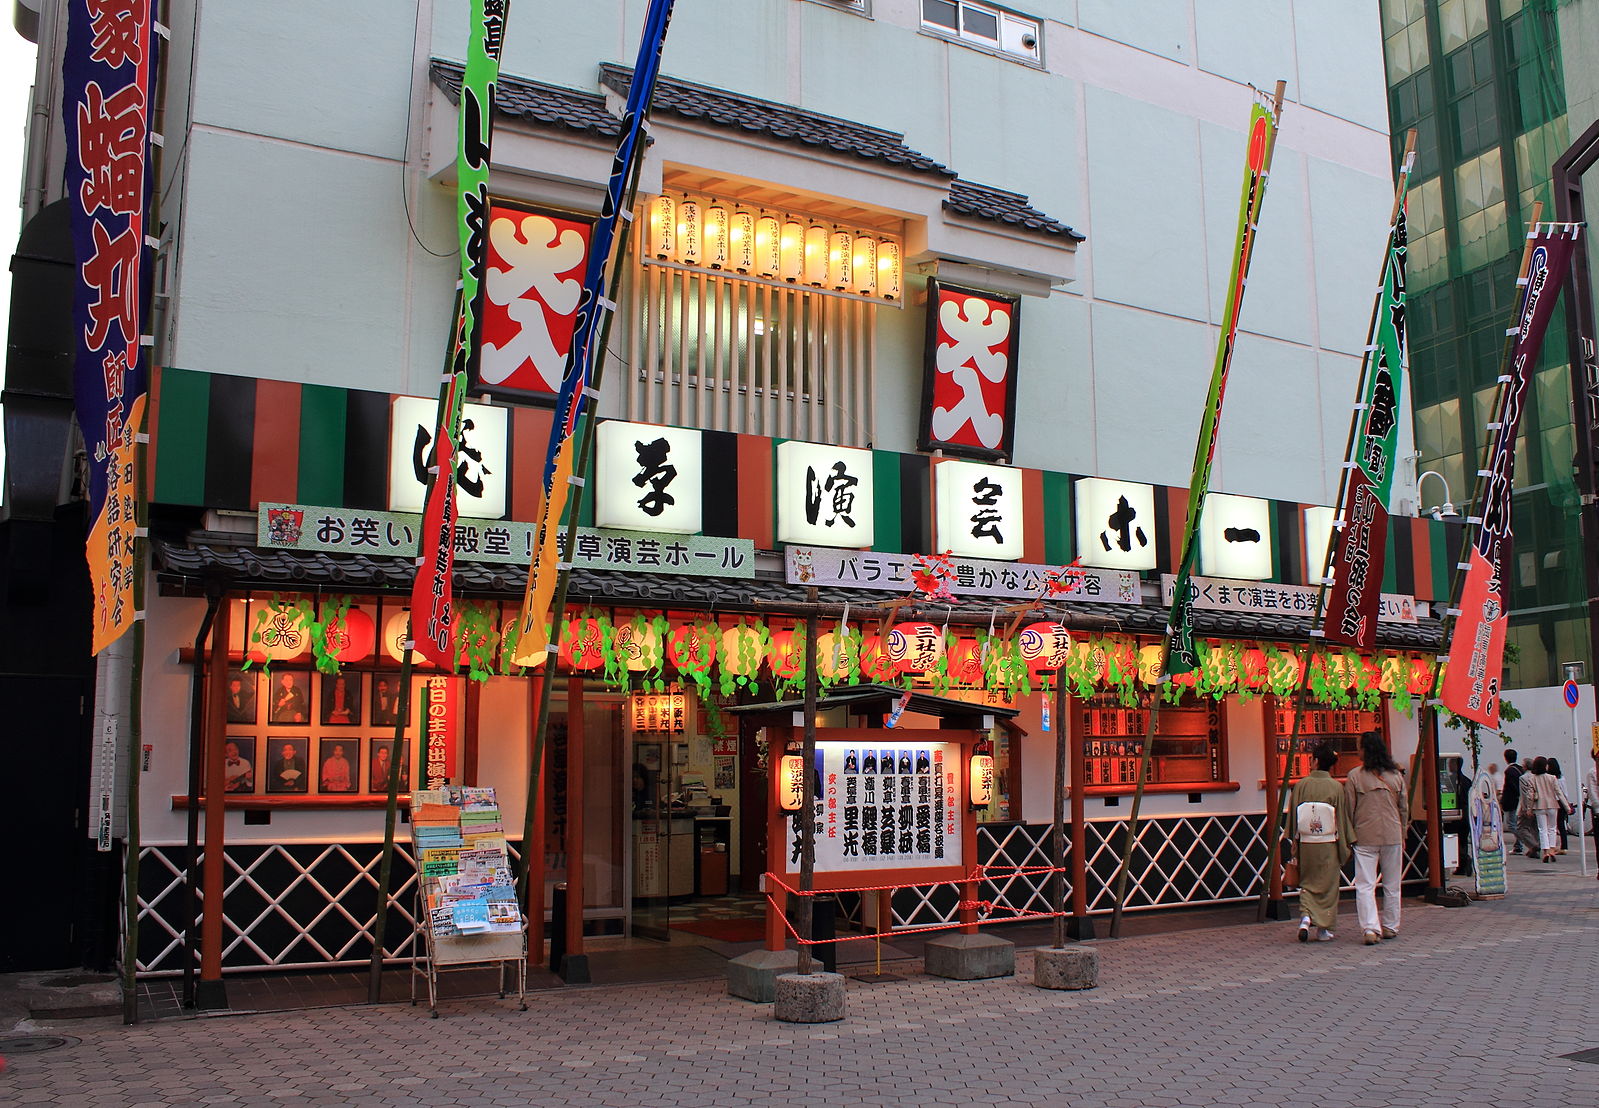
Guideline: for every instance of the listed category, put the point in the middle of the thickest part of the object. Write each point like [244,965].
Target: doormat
[750,929]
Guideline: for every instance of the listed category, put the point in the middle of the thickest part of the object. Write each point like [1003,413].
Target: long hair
[1553,768]
[1374,753]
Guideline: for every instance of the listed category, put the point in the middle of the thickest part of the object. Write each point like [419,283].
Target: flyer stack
[465,870]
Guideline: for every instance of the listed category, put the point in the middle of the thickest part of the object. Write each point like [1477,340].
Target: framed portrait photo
[385,700]
[288,765]
[241,695]
[377,780]
[341,700]
[289,699]
[238,764]
[338,765]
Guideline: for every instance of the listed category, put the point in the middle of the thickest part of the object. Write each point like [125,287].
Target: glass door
[652,792]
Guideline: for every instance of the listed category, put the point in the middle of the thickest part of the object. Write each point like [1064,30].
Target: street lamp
[1446,510]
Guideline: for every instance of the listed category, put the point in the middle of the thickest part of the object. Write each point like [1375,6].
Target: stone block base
[753,976]
[962,957]
[809,998]
[1072,967]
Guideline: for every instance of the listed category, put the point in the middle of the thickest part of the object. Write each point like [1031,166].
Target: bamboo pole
[804,918]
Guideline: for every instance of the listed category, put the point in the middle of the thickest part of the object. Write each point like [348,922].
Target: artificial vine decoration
[479,638]
[293,622]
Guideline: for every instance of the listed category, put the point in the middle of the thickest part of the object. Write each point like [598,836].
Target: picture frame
[238,764]
[726,778]
[341,703]
[288,764]
[240,696]
[649,756]
[385,700]
[338,765]
[289,699]
[378,760]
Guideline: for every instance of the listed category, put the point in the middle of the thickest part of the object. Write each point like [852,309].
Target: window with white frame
[984,25]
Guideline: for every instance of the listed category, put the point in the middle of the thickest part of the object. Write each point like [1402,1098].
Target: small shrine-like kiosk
[896,782]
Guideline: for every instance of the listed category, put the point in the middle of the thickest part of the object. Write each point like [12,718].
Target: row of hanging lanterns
[710,234]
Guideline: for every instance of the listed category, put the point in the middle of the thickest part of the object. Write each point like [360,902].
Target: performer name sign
[886,806]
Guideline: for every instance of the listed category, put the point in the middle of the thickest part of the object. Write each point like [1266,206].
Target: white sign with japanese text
[979,509]
[892,805]
[647,477]
[1318,533]
[1266,596]
[1115,523]
[824,494]
[482,464]
[1235,537]
[876,569]
[353,531]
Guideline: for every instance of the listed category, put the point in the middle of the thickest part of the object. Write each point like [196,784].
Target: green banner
[1377,439]
[1181,654]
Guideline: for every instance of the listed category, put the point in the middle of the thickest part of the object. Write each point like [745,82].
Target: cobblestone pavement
[1468,1007]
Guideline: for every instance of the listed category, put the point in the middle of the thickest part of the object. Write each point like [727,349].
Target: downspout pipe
[191,870]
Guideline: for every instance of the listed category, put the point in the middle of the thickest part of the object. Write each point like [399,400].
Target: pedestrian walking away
[1540,805]
[1510,797]
[1323,833]
[1566,808]
[1375,794]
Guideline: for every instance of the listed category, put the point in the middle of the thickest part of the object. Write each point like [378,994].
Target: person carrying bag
[1322,833]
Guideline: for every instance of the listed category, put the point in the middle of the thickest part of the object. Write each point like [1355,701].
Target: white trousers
[1548,828]
[1369,861]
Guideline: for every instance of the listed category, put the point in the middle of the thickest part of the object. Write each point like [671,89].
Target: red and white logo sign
[531,292]
[969,394]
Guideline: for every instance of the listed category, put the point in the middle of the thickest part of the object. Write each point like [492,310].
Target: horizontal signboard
[866,569]
[1219,595]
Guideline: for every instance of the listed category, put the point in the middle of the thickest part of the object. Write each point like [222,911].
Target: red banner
[432,590]
[969,379]
[438,733]
[1357,566]
[534,282]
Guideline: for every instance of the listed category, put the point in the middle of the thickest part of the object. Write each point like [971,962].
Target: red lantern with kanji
[786,654]
[583,646]
[1045,646]
[915,647]
[966,663]
[876,665]
[692,648]
[351,638]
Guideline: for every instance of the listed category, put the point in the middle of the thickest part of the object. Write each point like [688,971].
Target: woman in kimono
[1322,831]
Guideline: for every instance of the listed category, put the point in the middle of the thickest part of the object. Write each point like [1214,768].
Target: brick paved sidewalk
[1470,1007]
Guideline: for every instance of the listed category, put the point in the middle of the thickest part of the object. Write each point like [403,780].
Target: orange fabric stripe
[1033,509]
[530,440]
[756,483]
[275,458]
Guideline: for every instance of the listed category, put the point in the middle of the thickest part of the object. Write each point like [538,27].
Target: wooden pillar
[466,771]
[574,964]
[1428,737]
[210,993]
[777,739]
[969,889]
[1275,769]
[1079,926]
[533,847]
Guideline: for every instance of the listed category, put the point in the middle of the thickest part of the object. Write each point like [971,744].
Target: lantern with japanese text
[351,638]
[915,647]
[741,650]
[876,665]
[692,648]
[637,644]
[790,782]
[786,654]
[982,780]
[1045,646]
[583,645]
[837,654]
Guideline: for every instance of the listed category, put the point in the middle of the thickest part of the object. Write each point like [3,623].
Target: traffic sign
[1571,694]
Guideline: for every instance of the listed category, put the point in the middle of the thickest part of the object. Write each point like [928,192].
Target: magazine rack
[465,905]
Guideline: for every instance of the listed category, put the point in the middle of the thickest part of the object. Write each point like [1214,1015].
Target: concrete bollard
[753,976]
[1072,967]
[963,957]
[809,998]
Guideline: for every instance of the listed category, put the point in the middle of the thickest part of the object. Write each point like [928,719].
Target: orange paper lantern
[915,647]
[786,654]
[876,665]
[582,647]
[1045,646]
[692,648]
[352,638]
[966,663]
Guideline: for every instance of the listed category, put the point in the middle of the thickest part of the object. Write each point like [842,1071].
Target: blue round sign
[1571,694]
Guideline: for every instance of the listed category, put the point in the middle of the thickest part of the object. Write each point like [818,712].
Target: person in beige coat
[1540,797]
[1375,793]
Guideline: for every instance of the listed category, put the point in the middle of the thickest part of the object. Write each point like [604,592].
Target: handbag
[1291,873]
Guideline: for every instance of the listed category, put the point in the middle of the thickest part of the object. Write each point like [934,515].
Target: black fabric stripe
[366,450]
[1163,531]
[719,483]
[230,442]
[1404,554]
[915,504]
[1290,544]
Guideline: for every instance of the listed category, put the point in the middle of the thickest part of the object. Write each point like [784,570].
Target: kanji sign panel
[969,379]
[979,509]
[1235,538]
[354,531]
[1115,523]
[482,464]
[647,477]
[106,81]
[890,805]
[890,572]
[534,282]
[824,494]
[1267,596]
[1318,525]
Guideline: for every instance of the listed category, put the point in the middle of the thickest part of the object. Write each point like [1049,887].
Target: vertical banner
[438,732]
[1477,643]
[533,281]
[534,638]
[1357,567]
[969,372]
[1183,657]
[432,592]
[106,89]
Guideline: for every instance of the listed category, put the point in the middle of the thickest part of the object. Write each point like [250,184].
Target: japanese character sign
[969,382]
[890,806]
[482,462]
[979,509]
[824,494]
[106,78]
[1115,523]
[534,281]
[647,478]
[1235,538]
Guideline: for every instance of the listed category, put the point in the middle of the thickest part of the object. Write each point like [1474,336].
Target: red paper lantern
[352,638]
[915,647]
[1045,646]
[876,665]
[692,648]
[583,646]
[786,654]
[1253,673]
[966,663]
[1421,675]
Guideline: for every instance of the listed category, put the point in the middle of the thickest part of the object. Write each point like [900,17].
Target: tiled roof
[968,198]
[783,122]
[537,103]
[189,565]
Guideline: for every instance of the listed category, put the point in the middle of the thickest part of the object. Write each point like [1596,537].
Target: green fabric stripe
[322,428]
[180,442]
[885,501]
[1059,513]
[1390,571]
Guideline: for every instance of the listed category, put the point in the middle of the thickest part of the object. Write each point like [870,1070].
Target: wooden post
[808,794]
[1427,735]
[533,841]
[210,993]
[1081,926]
[971,888]
[1057,838]
[574,965]
[1277,770]
[777,740]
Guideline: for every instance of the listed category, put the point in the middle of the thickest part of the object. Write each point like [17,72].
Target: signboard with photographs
[891,805]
